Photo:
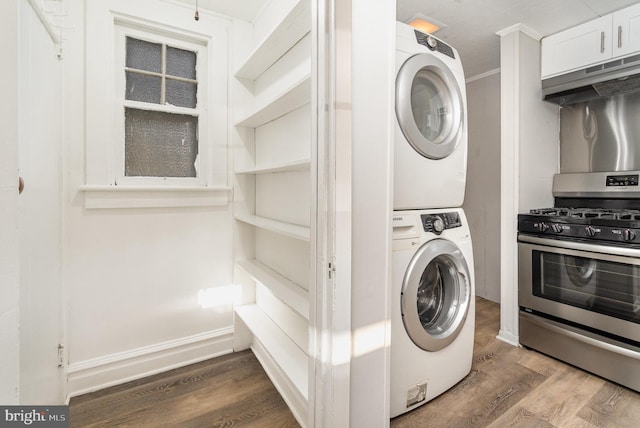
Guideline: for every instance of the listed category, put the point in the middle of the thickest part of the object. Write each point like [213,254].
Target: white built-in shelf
[299,165]
[296,95]
[281,348]
[295,231]
[287,291]
[292,28]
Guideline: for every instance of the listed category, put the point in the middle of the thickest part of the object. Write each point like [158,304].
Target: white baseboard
[99,373]
[290,394]
[508,337]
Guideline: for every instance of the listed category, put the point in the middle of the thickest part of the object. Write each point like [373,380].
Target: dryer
[430,148]
[433,305]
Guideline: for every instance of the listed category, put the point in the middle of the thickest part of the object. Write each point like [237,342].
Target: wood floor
[507,387]
[228,391]
[515,387]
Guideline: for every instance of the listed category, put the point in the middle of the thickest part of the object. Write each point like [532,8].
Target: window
[161,109]
[156,118]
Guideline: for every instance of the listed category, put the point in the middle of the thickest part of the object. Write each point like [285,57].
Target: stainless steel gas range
[579,275]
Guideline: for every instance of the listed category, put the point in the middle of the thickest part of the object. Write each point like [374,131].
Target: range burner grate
[604,213]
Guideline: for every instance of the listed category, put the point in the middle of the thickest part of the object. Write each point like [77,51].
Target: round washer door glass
[435,295]
[429,106]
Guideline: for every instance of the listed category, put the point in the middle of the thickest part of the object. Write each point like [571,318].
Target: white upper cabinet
[591,43]
[576,47]
[626,27]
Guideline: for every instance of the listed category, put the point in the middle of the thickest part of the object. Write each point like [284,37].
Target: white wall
[482,193]
[9,239]
[529,156]
[133,276]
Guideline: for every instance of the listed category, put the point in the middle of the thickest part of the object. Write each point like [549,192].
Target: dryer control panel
[436,223]
[434,44]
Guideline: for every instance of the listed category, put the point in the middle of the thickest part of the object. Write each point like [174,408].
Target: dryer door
[436,295]
[429,106]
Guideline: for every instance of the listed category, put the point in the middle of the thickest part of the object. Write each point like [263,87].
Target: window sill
[100,196]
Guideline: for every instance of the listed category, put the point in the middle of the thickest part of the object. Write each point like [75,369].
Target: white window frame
[104,183]
[124,30]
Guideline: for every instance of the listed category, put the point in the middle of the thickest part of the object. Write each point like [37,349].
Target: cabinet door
[626,31]
[577,47]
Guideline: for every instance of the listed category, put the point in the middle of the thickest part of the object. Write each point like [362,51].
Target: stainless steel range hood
[604,80]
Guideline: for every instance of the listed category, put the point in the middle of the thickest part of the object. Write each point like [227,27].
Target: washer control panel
[437,223]
[434,44]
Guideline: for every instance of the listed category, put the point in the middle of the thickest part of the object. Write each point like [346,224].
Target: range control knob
[432,42]
[556,228]
[628,235]
[590,231]
[438,225]
[542,227]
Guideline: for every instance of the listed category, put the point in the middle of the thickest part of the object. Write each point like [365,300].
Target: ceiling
[471,25]
[241,9]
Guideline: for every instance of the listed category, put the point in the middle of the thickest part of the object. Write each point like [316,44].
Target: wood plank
[518,417]
[612,405]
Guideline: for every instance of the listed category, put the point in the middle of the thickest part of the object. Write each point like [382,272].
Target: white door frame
[354,51]
[9,237]
[331,294]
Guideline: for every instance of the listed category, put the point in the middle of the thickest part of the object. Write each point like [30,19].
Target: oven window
[601,286]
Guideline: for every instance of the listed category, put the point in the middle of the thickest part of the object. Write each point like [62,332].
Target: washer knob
[438,225]
[432,42]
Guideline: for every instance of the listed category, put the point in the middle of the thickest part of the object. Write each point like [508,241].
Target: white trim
[508,337]
[483,75]
[510,178]
[289,392]
[100,196]
[99,373]
[54,30]
[522,28]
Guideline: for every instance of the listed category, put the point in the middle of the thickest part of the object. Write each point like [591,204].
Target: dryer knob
[432,42]
[438,225]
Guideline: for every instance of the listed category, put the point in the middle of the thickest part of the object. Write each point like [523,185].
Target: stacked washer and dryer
[433,306]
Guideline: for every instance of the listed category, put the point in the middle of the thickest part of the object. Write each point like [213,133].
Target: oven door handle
[566,331]
[581,246]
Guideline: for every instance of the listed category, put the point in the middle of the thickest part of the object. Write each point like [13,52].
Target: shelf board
[290,99]
[299,165]
[281,348]
[287,33]
[285,290]
[295,231]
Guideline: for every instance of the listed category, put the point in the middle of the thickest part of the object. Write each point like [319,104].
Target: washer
[431,123]
[433,312]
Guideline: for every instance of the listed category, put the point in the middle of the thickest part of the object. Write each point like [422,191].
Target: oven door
[591,285]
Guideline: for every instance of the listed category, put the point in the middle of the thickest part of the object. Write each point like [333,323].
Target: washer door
[429,106]
[436,293]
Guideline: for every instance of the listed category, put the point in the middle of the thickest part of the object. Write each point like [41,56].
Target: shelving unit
[290,99]
[293,27]
[291,230]
[289,292]
[299,165]
[272,201]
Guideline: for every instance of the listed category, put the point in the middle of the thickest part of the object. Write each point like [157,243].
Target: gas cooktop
[588,213]
[600,224]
